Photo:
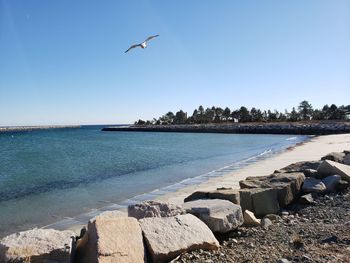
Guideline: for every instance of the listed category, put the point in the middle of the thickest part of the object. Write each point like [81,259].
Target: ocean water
[51,175]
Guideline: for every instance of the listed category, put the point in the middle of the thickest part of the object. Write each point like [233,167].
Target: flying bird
[143,44]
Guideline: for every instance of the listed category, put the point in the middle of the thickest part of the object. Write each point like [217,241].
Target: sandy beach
[311,150]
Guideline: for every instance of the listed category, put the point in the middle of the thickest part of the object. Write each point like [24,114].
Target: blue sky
[63,61]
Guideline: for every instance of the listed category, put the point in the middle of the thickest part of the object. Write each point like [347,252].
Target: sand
[311,150]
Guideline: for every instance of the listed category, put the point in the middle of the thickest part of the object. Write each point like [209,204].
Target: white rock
[37,245]
[168,237]
[219,215]
[250,219]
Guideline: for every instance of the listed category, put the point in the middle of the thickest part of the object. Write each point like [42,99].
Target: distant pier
[31,128]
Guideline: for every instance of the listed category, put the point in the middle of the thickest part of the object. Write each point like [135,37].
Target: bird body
[143,45]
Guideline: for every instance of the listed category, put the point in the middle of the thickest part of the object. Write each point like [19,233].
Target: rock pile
[155,231]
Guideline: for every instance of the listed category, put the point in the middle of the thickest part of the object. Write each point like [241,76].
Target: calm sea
[47,175]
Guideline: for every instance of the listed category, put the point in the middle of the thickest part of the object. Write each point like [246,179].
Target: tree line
[303,112]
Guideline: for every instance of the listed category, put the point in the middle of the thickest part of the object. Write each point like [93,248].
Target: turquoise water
[48,175]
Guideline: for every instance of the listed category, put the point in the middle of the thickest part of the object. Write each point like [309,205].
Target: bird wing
[133,46]
[149,38]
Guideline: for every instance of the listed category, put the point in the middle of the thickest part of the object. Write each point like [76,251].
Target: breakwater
[299,128]
[31,128]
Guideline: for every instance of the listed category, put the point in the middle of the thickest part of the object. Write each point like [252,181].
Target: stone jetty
[297,128]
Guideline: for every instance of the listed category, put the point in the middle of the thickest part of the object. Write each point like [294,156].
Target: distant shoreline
[30,128]
[295,128]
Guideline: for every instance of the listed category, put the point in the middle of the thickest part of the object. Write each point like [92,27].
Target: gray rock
[224,194]
[266,223]
[347,159]
[273,217]
[112,239]
[301,166]
[168,237]
[342,185]
[328,168]
[313,185]
[310,173]
[334,156]
[287,185]
[306,200]
[283,260]
[261,201]
[331,182]
[37,245]
[154,209]
[219,215]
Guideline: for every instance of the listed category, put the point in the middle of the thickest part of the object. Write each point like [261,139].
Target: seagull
[143,44]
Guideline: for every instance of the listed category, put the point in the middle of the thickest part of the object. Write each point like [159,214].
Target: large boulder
[331,182]
[261,201]
[334,156]
[220,215]
[112,239]
[225,194]
[154,208]
[328,168]
[37,245]
[168,237]
[287,185]
[313,185]
[301,166]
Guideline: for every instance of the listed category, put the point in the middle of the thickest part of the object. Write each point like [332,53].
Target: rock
[109,215]
[224,188]
[274,218]
[261,201]
[301,166]
[266,223]
[347,159]
[328,168]
[219,215]
[250,219]
[334,156]
[225,194]
[112,239]
[331,182]
[306,200]
[153,208]
[287,185]
[37,245]
[310,173]
[331,239]
[168,237]
[313,185]
[283,260]
[342,185]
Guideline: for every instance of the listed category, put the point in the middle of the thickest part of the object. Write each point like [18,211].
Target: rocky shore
[299,213]
[297,128]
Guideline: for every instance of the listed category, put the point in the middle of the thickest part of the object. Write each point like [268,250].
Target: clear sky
[63,61]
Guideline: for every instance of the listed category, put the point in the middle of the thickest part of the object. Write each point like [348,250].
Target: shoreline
[310,150]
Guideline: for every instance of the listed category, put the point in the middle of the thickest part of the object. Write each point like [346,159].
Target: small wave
[291,139]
